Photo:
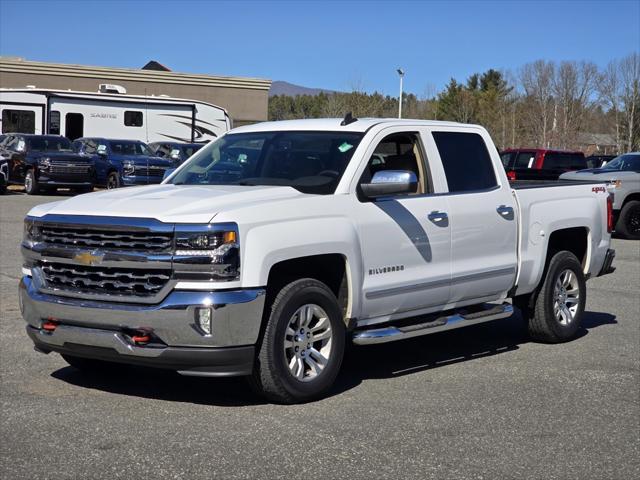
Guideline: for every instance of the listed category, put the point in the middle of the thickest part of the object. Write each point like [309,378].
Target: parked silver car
[623,173]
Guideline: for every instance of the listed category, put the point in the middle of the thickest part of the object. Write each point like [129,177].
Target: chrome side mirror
[390,182]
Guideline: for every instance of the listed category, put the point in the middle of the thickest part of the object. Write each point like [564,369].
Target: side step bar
[457,320]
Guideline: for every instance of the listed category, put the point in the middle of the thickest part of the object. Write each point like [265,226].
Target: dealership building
[245,99]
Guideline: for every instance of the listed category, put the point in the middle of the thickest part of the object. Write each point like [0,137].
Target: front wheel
[30,183]
[557,312]
[113,180]
[303,344]
[628,224]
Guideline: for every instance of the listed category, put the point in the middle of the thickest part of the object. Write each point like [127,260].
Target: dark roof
[153,65]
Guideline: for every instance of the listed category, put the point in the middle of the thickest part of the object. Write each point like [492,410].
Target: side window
[54,122]
[18,121]
[466,161]
[399,151]
[132,118]
[525,160]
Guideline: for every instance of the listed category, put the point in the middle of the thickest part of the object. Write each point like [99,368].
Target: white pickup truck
[278,243]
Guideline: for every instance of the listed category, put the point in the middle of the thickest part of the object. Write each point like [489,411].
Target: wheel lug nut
[297,348]
[302,330]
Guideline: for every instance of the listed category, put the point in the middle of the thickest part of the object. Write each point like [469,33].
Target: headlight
[128,167]
[44,163]
[207,252]
[31,231]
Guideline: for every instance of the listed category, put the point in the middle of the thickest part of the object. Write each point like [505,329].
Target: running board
[457,320]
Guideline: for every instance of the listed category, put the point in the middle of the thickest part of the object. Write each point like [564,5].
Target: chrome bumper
[93,327]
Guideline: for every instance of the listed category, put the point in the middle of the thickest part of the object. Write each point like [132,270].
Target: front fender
[269,244]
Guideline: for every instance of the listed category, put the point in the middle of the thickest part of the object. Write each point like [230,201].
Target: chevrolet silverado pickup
[324,232]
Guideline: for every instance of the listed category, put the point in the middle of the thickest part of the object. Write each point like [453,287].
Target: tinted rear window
[466,161]
[564,160]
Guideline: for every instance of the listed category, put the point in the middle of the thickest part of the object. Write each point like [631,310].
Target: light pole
[401,73]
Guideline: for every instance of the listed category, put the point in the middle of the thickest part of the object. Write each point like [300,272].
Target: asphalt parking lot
[477,403]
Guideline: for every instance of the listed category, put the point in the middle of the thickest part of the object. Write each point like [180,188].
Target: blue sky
[329,44]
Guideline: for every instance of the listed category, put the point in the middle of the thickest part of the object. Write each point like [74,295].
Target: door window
[466,161]
[525,160]
[54,122]
[398,151]
[18,121]
[74,125]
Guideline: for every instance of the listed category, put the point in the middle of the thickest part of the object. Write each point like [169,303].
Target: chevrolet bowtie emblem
[89,258]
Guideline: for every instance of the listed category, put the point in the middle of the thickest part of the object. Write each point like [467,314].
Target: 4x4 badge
[89,258]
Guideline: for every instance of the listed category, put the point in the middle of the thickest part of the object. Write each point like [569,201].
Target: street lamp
[401,73]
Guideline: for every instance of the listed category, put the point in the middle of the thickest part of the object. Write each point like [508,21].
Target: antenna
[348,119]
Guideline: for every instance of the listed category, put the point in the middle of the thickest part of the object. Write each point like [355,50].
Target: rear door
[481,215]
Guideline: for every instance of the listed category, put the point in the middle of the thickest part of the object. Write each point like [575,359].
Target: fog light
[203,317]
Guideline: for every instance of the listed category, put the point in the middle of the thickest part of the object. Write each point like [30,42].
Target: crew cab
[327,232]
[175,151]
[122,163]
[44,163]
[623,175]
[540,164]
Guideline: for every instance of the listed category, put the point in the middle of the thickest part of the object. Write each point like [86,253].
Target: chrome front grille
[69,169]
[150,171]
[106,239]
[105,280]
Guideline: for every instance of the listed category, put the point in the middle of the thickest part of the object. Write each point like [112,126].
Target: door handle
[505,211]
[436,216]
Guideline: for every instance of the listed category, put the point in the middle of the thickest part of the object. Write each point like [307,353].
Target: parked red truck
[540,164]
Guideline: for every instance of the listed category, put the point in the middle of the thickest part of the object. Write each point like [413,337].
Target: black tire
[30,182]
[3,189]
[91,365]
[628,224]
[543,324]
[113,180]
[272,377]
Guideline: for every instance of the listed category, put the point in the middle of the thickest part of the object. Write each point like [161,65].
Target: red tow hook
[50,325]
[141,337]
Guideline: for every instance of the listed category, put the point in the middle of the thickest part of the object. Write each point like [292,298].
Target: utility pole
[401,73]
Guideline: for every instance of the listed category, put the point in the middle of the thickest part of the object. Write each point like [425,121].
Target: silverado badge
[89,258]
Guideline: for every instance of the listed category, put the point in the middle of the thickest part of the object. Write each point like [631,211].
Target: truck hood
[167,203]
[598,175]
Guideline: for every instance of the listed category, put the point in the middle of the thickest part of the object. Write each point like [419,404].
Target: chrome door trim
[386,292]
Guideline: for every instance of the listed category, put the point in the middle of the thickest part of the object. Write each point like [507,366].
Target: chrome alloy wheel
[566,297]
[307,342]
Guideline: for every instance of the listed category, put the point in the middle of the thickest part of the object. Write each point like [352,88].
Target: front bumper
[102,330]
[133,180]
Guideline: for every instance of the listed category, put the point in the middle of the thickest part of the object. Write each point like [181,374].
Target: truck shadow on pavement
[361,363]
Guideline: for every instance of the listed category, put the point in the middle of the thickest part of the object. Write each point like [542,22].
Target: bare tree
[629,69]
[573,86]
[609,89]
[537,82]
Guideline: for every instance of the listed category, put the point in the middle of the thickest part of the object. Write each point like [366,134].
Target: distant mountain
[285,88]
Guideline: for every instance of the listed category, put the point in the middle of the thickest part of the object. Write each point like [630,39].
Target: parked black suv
[45,163]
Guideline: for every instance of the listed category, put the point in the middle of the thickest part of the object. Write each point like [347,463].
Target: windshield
[311,162]
[49,144]
[130,148]
[624,163]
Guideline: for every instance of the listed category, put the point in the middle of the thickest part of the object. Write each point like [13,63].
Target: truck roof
[333,124]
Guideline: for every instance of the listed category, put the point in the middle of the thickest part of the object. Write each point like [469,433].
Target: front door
[405,239]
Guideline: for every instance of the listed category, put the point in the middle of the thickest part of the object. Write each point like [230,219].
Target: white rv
[110,113]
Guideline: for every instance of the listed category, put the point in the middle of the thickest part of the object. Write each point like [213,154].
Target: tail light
[609,213]
[511,175]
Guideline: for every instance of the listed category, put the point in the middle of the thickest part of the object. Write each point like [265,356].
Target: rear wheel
[557,311]
[30,183]
[90,365]
[303,344]
[628,224]
[113,180]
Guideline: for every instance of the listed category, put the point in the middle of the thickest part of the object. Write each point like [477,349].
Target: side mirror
[21,147]
[167,173]
[390,182]
[102,150]
[175,154]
